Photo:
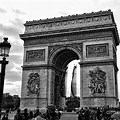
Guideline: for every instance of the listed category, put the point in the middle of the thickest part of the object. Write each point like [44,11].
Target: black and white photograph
[59,60]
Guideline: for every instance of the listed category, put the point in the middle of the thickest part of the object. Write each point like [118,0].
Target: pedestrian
[37,112]
[18,115]
[99,114]
[87,113]
[80,114]
[5,116]
[30,115]
[25,114]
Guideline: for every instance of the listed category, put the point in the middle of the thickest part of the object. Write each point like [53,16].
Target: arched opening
[73,79]
[64,57]
[61,61]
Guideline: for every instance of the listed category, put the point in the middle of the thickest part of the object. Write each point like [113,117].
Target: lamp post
[4,52]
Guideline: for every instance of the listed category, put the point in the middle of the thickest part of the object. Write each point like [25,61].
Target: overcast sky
[14,13]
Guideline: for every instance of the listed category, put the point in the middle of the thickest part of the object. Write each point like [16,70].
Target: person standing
[5,116]
[30,115]
[25,114]
[18,115]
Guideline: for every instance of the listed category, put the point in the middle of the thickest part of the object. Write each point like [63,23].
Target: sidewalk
[11,115]
[69,116]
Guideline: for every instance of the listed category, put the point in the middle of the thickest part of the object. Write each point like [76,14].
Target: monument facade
[50,44]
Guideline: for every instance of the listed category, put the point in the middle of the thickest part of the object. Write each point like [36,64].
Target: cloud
[2,10]
[15,61]
[17,11]
[107,4]
[10,31]
[16,48]
[9,83]
[11,24]
[17,22]
[13,76]
[64,13]
[14,69]
[14,88]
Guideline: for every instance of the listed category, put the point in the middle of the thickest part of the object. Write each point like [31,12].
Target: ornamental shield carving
[97,81]
[33,84]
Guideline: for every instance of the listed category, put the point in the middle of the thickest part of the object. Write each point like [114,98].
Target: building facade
[50,44]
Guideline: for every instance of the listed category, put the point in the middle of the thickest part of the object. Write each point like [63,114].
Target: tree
[10,102]
[72,103]
[16,102]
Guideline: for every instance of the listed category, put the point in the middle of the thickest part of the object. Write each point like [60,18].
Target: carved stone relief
[97,50]
[35,55]
[97,81]
[33,84]
[78,47]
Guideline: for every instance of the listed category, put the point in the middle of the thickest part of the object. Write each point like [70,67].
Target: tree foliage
[10,102]
[72,102]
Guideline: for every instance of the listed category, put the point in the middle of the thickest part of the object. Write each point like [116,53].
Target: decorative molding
[43,66]
[76,46]
[79,47]
[99,63]
[33,84]
[52,49]
[97,81]
[67,23]
[68,38]
[35,55]
[101,96]
[97,50]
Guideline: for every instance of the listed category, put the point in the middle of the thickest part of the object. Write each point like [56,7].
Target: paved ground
[69,116]
[11,115]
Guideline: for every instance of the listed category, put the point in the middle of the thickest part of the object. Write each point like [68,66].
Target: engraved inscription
[97,50]
[35,55]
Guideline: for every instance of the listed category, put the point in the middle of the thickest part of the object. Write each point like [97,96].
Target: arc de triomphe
[50,44]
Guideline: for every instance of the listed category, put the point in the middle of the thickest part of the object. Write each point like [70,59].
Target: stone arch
[60,58]
[72,53]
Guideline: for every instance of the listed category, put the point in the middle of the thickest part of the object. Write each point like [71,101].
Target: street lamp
[4,52]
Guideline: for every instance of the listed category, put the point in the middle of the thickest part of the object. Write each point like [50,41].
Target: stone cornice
[104,96]
[68,31]
[68,39]
[99,62]
[36,67]
[73,24]
[68,25]
[74,31]
[45,98]
[67,22]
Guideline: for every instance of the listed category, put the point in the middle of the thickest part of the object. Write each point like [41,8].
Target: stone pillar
[81,86]
[98,71]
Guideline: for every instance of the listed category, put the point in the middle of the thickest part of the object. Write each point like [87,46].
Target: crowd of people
[50,113]
[99,113]
[39,114]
